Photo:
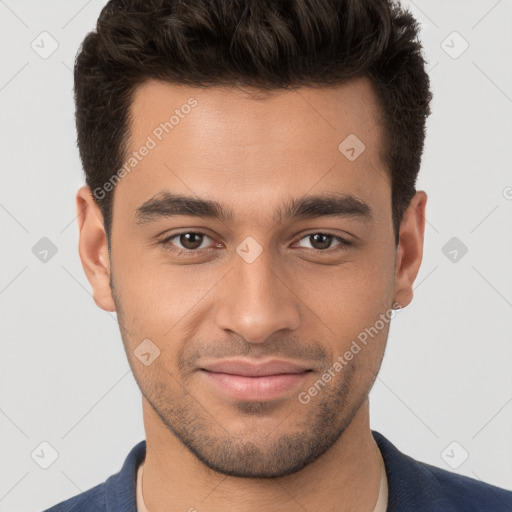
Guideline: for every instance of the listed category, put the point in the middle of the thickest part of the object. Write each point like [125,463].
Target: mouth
[244,380]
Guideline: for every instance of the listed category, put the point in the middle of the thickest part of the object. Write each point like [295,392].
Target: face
[252,247]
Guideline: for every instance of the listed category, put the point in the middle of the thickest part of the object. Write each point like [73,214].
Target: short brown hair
[265,44]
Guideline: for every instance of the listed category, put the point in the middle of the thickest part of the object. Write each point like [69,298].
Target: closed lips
[246,369]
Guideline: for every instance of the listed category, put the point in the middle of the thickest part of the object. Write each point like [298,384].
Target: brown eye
[191,241]
[323,241]
[185,241]
[320,241]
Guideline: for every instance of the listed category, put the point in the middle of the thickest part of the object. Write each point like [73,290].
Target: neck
[346,477]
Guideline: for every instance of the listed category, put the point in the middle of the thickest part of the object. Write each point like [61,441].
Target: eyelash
[343,243]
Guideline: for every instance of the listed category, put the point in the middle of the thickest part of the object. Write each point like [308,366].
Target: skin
[252,152]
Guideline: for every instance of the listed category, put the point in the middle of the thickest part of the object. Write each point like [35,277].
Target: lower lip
[255,388]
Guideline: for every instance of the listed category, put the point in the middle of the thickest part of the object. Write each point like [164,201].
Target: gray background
[64,377]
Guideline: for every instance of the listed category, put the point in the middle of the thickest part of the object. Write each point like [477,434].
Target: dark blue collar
[413,486]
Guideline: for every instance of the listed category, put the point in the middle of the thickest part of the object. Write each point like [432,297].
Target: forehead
[239,115]
[238,145]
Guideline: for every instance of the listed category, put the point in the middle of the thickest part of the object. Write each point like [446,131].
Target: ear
[93,248]
[410,248]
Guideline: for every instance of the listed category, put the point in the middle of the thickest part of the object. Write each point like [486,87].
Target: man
[251,216]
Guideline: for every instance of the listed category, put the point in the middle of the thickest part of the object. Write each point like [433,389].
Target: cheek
[352,306]
[159,299]
[353,294]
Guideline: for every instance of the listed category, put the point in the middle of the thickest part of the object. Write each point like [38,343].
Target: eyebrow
[167,205]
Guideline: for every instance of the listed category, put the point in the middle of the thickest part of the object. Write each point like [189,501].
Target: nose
[256,300]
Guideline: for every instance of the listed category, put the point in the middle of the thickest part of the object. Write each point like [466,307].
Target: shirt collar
[410,485]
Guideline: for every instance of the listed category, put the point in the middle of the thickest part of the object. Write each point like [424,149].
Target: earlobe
[410,248]
[93,248]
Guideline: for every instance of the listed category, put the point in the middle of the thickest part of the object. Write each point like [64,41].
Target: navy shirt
[413,486]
